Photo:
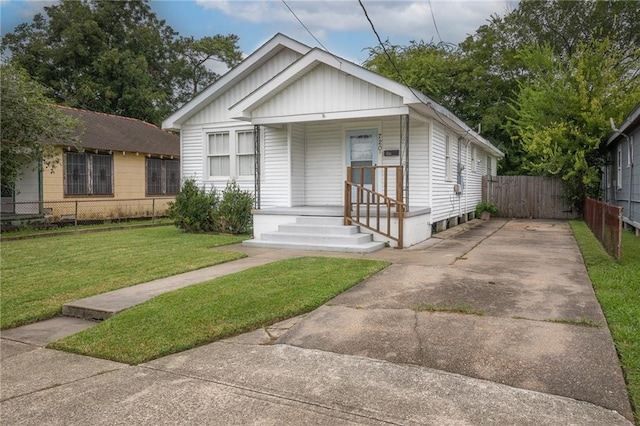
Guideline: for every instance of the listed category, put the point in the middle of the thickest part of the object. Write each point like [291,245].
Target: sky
[339,25]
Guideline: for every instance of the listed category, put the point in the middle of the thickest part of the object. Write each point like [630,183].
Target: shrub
[196,210]
[193,208]
[233,213]
[486,206]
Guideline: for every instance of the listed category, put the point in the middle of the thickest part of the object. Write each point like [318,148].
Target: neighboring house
[288,121]
[621,182]
[120,166]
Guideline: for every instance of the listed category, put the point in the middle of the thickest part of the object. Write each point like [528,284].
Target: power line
[304,26]
[433,17]
[384,49]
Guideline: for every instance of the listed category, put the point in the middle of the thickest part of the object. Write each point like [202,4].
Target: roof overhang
[251,62]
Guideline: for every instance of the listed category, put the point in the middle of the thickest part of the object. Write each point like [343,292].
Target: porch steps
[318,234]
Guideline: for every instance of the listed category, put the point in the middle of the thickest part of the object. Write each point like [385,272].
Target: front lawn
[617,286]
[40,275]
[216,309]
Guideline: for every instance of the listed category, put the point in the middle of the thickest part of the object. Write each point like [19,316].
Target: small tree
[27,119]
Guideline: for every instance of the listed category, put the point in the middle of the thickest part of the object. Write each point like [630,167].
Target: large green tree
[561,114]
[115,57]
[29,125]
[479,78]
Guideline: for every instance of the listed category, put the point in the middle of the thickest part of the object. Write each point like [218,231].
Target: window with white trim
[447,158]
[231,154]
[88,173]
[219,157]
[619,171]
[473,158]
[245,153]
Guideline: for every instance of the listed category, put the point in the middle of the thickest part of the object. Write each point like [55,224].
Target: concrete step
[344,248]
[299,228]
[320,220]
[318,238]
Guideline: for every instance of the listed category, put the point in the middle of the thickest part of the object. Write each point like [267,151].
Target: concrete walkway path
[369,356]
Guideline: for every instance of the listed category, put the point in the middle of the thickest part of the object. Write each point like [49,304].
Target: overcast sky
[340,26]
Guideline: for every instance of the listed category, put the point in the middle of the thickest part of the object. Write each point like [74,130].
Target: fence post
[153,210]
[75,217]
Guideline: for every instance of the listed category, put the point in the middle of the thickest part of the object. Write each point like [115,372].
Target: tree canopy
[28,119]
[540,81]
[116,57]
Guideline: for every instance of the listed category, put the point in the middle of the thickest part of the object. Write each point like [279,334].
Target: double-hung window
[88,173]
[163,176]
[447,158]
[231,154]
[619,171]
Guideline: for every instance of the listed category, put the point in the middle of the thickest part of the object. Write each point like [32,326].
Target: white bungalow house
[338,157]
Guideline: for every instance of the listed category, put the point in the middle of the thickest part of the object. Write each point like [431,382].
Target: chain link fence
[605,221]
[84,211]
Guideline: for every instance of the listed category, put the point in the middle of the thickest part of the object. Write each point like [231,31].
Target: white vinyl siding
[218,109]
[443,197]
[275,173]
[326,89]
[297,164]
[324,164]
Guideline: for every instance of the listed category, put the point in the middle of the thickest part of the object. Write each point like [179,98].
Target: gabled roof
[311,57]
[250,63]
[410,97]
[631,122]
[114,133]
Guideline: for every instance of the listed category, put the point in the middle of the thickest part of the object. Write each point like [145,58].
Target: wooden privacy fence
[605,221]
[534,197]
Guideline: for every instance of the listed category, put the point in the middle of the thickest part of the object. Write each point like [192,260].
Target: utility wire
[393,64]
[384,49]
[433,17]
[304,26]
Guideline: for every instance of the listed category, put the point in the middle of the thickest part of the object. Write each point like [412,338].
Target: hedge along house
[121,168]
[621,180]
[323,143]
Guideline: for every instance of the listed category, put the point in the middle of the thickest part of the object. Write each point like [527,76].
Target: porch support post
[256,175]
[404,147]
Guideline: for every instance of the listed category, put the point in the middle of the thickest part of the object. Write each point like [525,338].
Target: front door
[362,151]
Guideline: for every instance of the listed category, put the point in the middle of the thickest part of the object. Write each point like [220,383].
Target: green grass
[40,275]
[220,308]
[33,230]
[458,308]
[617,286]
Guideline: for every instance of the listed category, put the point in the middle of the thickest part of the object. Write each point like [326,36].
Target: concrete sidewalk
[368,356]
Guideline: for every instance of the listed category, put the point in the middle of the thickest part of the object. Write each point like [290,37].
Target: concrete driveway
[540,354]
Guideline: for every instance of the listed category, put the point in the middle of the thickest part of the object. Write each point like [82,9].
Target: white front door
[362,151]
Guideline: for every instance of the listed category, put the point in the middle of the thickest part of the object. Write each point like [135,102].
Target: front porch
[273,226]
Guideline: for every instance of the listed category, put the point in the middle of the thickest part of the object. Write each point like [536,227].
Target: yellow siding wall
[128,200]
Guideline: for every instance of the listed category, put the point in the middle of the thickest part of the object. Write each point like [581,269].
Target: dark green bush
[233,213]
[196,210]
[192,210]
